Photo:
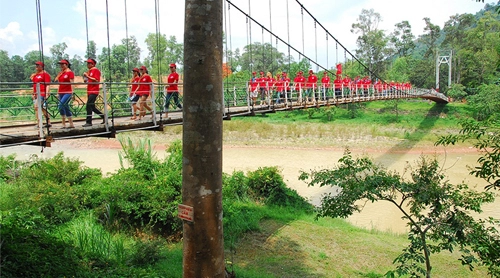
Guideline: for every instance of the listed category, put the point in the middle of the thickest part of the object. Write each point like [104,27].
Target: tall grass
[94,241]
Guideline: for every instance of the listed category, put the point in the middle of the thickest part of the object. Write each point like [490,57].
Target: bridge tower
[443,59]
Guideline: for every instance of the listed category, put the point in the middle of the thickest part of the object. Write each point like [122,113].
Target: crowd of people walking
[139,92]
[310,88]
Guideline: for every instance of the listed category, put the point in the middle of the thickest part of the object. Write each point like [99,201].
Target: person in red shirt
[278,85]
[143,91]
[325,84]
[262,87]
[133,97]
[93,77]
[253,85]
[299,82]
[346,83]
[41,78]
[337,83]
[286,86]
[312,85]
[269,86]
[172,89]
[65,78]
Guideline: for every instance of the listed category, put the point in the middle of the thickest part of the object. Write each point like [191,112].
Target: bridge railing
[17,99]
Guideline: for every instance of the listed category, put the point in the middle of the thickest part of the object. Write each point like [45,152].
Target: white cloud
[11,32]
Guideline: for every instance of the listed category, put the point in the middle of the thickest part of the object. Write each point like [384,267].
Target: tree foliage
[437,212]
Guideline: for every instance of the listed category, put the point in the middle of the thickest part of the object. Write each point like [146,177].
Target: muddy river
[380,216]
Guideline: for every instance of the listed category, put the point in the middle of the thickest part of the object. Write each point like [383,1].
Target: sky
[65,21]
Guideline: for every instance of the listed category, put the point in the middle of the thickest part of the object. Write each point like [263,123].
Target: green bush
[28,250]
[144,196]
[235,186]
[267,185]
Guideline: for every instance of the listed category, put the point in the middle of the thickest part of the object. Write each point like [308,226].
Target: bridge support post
[203,253]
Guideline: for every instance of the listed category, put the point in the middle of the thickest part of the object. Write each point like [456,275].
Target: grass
[305,247]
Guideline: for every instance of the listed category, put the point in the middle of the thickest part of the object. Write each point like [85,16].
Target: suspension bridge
[21,123]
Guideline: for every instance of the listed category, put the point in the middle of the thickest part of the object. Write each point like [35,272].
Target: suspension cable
[87,31]
[345,49]
[158,34]
[327,51]
[316,44]
[303,44]
[288,31]
[128,42]
[39,27]
[274,35]
[271,36]
[250,31]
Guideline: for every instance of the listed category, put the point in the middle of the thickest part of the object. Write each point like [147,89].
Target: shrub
[235,187]
[267,185]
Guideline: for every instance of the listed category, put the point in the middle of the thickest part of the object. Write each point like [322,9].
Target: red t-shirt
[144,87]
[279,85]
[325,81]
[173,79]
[93,85]
[43,78]
[299,82]
[311,81]
[64,82]
[135,84]
[253,84]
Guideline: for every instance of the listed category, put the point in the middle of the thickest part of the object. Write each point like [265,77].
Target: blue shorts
[134,98]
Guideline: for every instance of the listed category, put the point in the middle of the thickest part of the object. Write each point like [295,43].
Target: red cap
[64,61]
[143,68]
[284,73]
[311,71]
[92,61]
[261,72]
[173,66]
[39,64]
[136,70]
[254,72]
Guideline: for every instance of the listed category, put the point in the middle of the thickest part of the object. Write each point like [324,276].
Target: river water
[381,215]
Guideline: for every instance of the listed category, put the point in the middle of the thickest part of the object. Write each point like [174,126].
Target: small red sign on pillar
[186,212]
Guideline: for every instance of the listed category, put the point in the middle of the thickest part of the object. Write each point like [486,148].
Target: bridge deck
[26,132]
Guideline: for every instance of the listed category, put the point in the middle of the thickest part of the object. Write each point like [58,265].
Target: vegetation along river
[103,154]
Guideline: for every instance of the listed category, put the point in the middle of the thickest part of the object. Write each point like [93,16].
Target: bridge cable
[87,31]
[40,48]
[327,51]
[128,42]
[345,49]
[158,34]
[293,48]
[227,64]
[109,64]
[39,27]
[288,31]
[271,36]
[303,47]
[250,36]
[316,44]
[263,50]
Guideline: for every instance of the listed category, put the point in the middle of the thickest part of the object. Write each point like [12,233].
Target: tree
[58,52]
[372,42]
[403,39]
[430,37]
[162,52]
[455,38]
[437,213]
[91,50]
[262,57]
[133,52]
[485,137]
